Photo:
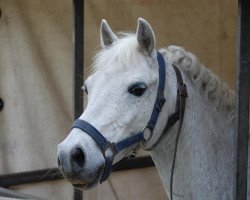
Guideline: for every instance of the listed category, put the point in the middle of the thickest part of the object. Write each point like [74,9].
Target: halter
[110,149]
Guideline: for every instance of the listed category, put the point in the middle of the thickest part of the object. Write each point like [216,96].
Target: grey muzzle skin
[72,162]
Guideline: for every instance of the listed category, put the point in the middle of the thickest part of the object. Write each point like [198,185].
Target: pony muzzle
[78,166]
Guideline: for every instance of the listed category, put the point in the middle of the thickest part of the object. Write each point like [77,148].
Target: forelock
[123,51]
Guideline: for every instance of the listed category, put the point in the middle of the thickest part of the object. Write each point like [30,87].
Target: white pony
[204,167]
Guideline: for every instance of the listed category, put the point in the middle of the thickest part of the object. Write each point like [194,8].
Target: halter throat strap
[160,99]
[109,149]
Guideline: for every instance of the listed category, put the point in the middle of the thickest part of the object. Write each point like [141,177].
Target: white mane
[209,84]
[125,50]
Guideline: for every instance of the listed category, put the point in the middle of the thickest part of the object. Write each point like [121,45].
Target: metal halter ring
[147,138]
[110,147]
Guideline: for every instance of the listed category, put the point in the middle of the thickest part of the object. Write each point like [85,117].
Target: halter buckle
[131,154]
[182,89]
[160,103]
[147,137]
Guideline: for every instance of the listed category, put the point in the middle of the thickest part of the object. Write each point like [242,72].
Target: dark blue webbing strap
[100,140]
[129,141]
[107,169]
[92,132]
[160,94]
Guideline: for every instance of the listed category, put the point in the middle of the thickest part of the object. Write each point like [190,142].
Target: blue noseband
[114,148]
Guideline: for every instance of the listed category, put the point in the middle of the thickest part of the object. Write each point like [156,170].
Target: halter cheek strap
[160,100]
[106,146]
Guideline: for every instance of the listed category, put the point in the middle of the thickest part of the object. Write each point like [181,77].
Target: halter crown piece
[107,146]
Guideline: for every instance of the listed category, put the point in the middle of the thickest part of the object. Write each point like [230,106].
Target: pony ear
[145,36]
[106,34]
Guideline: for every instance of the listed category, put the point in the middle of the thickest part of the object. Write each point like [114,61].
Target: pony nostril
[78,157]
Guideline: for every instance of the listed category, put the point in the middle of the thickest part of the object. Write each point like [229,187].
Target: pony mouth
[85,183]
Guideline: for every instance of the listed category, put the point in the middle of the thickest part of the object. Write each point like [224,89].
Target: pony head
[121,96]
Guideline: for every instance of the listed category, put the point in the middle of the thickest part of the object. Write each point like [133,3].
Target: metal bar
[78,37]
[242,101]
[28,177]
[44,175]
[134,163]
[17,195]
[1,104]
[78,54]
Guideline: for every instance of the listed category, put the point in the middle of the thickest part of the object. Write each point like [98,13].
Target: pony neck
[205,158]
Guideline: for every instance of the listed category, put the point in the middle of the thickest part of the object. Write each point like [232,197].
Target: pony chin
[83,182]
[85,185]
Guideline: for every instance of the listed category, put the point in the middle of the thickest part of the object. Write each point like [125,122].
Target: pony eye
[137,89]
